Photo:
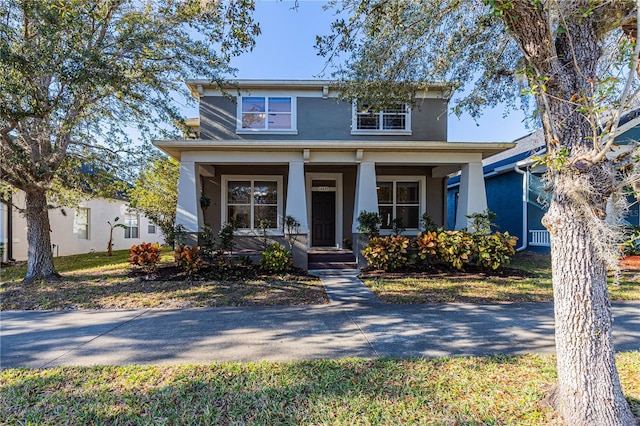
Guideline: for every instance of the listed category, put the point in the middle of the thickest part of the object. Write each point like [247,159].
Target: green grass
[91,263]
[534,285]
[488,390]
[96,281]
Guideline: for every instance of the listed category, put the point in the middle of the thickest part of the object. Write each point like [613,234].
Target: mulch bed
[439,270]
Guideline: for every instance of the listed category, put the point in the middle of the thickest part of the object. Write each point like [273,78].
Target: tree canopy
[76,76]
[576,62]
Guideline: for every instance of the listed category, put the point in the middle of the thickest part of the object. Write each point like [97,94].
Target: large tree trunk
[588,389]
[40,258]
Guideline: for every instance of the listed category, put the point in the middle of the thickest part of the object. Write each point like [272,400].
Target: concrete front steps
[331,259]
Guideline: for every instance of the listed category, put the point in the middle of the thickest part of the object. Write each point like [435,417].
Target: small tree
[155,193]
[291,230]
[263,227]
[112,226]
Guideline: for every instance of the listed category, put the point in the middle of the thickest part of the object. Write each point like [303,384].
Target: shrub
[276,258]
[482,222]
[369,223]
[387,253]
[427,224]
[146,255]
[225,236]
[397,225]
[188,258]
[631,245]
[454,248]
[426,244]
[492,251]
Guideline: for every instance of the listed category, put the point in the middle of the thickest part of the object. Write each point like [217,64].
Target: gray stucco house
[265,149]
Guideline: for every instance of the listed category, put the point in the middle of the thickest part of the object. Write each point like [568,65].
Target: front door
[323,219]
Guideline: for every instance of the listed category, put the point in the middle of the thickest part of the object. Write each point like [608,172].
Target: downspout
[525,202]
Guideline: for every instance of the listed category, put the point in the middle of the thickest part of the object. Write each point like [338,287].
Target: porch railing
[539,238]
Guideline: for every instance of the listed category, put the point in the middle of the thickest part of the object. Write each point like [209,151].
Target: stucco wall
[67,242]
[504,197]
[320,119]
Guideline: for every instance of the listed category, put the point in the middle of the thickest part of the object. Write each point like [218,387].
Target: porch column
[296,195]
[296,206]
[366,199]
[188,205]
[473,196]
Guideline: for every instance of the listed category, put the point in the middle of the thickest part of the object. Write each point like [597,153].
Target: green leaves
[75,76]
[155,193]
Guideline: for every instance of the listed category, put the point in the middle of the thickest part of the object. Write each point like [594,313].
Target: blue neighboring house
[515,187]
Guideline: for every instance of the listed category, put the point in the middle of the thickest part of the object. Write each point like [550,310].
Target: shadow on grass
[491,390]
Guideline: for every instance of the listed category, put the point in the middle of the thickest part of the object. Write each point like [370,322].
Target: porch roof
[174,148]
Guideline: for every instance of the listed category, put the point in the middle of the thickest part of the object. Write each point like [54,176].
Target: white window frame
[380,130]
[422,201]
[151,228]
[128,228]
[294,116]
[87,225]
[278,230]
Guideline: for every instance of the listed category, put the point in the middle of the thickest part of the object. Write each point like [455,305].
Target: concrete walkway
[344,287]
[351,326]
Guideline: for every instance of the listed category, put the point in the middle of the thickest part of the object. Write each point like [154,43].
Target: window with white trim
[151,228]
[392,120]
[81,223]
[251,200]
[266,113]
[400,198]
[132,223]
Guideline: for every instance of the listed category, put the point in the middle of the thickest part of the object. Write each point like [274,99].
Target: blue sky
[285,50]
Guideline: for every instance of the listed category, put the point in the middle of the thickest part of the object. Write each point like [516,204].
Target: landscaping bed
[527,279]
[100,282]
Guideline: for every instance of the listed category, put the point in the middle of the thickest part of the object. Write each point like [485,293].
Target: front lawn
[95,281]
[527,279]
[489,390]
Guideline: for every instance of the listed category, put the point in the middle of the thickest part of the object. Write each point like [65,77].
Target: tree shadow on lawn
[490,390]
[167,287]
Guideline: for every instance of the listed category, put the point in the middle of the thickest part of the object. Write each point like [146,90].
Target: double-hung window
[132,223]
[395,119]
[401,199]
[81,223]
[270,114]
[253,202]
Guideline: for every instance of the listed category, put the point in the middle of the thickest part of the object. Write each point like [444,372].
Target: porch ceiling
[175,148]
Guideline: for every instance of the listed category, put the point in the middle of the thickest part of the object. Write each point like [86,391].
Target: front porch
[324,186]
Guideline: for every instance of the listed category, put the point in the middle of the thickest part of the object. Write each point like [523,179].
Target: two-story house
[270,148]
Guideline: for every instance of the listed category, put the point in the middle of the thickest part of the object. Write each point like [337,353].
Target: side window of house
[393,120]
[264,113]
[131,222]
[81,223]
[251,202]
[399,200]
[151,228]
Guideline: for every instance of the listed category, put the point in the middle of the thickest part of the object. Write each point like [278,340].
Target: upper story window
[395,120]
[268,114]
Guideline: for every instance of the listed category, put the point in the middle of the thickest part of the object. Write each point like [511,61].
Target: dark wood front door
[323,219]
